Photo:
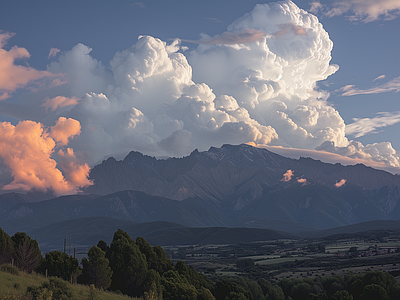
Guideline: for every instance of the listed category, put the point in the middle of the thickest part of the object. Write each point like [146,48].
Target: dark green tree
[164,263]
[204,294]
[128,264]
[275,293]
[374,292]
[342,295]
[6,247]
[300,291]
[356,289]
[236,296]
[176,287]
[96,268]
[152,286]
[103,246]
[319,296]
[224,288]
[27,254]
[59,264]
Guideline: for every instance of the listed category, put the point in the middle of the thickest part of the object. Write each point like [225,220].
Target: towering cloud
[256,82]
[27,149]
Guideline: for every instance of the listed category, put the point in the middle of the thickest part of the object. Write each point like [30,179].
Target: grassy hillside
[14,284]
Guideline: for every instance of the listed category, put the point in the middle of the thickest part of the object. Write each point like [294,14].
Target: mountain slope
[245,182]
[125,205]
[86,232]
[228,186]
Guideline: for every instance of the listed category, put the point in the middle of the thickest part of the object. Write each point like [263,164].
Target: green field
[361,246]
[280,260]
[262,257]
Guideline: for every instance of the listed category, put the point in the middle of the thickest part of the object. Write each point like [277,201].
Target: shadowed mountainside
[88,231]
[244,183]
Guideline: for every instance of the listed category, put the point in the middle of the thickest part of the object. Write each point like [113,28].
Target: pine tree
[27,254]
[128,264]
[96,268]
[6,247]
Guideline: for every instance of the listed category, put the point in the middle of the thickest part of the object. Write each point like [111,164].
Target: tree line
[135,268]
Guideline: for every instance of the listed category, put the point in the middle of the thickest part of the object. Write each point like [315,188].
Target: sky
[84,80]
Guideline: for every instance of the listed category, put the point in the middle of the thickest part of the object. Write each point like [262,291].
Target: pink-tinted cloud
[287,176]
[302,180]
[315,7]
[75,172]
[340,183]
[27,149]
[14,76]
[64,130]
[288,28]
[359,10]
[60,101]
[246,36]
[53,52]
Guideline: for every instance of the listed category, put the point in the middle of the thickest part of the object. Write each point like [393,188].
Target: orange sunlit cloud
[287,176]
[27,148]
[60,101]
[65,129]
[75,172]
[340,183]
[14,76]
[302,180]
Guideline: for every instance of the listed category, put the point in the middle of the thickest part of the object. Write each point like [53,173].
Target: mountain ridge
[231,186]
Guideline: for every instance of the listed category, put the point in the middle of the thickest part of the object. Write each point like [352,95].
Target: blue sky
[362,92]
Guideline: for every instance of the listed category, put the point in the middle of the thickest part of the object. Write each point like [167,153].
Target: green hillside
[14,286]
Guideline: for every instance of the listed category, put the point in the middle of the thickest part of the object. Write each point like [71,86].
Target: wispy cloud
[359,10]
[229,38]
[391,86]
[365,126]
[214,19]
[53,52]
[140,4]
[379,77]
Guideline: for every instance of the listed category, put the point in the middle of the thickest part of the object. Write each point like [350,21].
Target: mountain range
[227,187]
[245,184]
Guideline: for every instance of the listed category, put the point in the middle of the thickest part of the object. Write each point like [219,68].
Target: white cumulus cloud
[255,83]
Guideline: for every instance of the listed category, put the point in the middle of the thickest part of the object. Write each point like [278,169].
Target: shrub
[8,268]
